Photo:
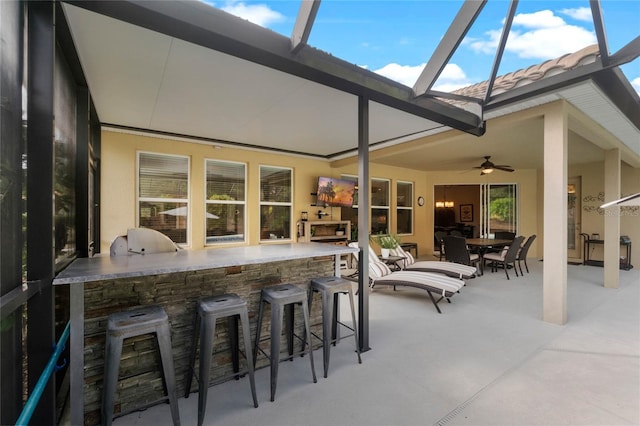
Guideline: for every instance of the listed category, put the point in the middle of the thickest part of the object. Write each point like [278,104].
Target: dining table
[482,245]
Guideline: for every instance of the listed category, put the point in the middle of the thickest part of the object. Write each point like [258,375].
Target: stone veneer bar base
[140,381]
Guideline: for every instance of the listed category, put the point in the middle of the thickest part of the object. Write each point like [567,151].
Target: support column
[555,215]
[612,219]
[40,220]
[363,222]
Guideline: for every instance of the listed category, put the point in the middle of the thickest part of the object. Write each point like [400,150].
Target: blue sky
[396,38]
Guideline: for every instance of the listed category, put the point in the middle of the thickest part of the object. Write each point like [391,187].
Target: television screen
[335,192]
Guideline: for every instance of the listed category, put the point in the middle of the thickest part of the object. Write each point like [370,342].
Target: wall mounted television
[335,192]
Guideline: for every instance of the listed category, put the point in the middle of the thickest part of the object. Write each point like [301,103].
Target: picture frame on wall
[466,212]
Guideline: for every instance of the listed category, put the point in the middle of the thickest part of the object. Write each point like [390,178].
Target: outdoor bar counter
[103,285]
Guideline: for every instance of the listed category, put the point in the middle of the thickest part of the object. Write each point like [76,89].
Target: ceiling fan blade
[504,168]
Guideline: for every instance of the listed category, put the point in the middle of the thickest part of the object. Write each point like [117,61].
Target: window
[225,202]
[275,202]
[163,194]
[499,208]
[379,206]
[404,207]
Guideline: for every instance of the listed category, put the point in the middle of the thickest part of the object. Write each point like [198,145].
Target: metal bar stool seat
[330,289]
[282,299]
[208,311]
[135,322]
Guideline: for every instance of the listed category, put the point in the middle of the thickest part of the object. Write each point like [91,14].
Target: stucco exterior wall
[592,196]
[118,208]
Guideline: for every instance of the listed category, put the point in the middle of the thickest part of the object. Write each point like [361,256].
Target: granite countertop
[105,267]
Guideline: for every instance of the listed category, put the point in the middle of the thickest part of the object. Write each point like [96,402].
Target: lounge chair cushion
[448,268]
[377,269]
[408,257]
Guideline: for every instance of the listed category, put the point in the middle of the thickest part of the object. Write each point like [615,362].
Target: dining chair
[506,257]
[501,235]
[438,246]
[504,235]
[522,253]
[455,250]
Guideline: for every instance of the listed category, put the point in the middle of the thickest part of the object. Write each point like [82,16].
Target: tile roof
[533,73]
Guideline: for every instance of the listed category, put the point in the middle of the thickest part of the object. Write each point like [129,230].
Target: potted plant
[386,242]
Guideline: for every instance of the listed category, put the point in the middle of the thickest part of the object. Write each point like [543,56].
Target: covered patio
[183,74]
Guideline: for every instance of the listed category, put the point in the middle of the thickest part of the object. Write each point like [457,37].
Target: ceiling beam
[626,54]
[501,45]
[212,28]
[304,23]
[453,37]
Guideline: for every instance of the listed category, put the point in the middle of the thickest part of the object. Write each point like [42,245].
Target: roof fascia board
[214,29]
[304,23]
[453,37]
[601,35]
[611,81]
[545,85]
[617,88]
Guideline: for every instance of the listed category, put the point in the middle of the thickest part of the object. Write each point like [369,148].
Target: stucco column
[612,219]
[555,215]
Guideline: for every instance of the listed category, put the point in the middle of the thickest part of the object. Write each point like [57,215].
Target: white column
[612,219]
[555,215]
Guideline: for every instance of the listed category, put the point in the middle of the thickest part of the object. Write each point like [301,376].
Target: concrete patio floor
[488,359]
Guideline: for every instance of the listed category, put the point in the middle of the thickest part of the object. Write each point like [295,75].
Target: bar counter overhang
[101,273]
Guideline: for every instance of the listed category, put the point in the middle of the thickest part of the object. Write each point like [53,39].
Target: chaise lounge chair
[432,283]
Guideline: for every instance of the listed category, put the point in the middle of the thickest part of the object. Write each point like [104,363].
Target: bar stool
[135,322]
[330,289]
[208,310]
[283,297]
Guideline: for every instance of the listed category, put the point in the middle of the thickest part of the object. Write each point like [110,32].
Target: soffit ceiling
[142,79]
[518,143]
[146,80]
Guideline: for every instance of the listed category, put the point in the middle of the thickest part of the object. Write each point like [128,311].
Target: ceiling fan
[488,166]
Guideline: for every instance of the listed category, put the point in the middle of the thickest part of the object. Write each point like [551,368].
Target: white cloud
[579,14]
[452,77]
[548,43]
[636,84]
[540,35]
[259,14]
[405,74]
[541,19]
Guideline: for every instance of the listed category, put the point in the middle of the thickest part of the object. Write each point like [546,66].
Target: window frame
[225,202]
[409,208]
[186,201]
[262,203]
[380,207]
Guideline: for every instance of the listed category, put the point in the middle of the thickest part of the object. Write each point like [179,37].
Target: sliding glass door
[498,208]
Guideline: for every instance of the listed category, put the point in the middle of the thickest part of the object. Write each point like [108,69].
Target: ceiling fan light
[487,170]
